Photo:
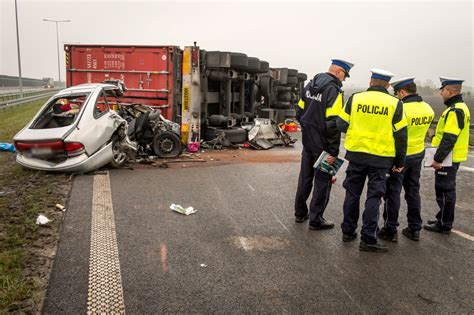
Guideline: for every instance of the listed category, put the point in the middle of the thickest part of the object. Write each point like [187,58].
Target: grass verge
[26,250]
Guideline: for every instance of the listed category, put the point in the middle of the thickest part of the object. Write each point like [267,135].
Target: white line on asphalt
[253,189]
[243,242]
[470,155]
[105,293]
[466,168]
[462,234]
[279,221]
[164,257]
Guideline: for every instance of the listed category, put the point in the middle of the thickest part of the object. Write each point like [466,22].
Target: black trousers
[445,187]
[354,184]
[410,180]
[322,189]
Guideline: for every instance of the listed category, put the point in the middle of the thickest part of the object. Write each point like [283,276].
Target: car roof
[87,87]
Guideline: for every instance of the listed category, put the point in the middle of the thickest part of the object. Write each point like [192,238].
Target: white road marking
[164,257]
[466,168]
[253,189]
[244,243]
[462,234]
[279,221]
[105,293]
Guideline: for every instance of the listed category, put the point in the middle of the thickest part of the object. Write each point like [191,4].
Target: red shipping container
[152,74]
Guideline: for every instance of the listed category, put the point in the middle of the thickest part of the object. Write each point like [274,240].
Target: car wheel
[166,145]
[119,156]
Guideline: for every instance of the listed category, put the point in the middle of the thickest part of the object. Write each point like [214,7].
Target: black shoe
[386,235]
[413,235]
[349,237]
[375,248]
[322,225]
[436,228]
[301,219]
[434,221]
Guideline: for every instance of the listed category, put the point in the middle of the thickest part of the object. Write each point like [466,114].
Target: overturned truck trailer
[206,92]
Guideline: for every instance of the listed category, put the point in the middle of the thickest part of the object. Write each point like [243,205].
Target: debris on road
[265,134]
[182,210]
[203,265]
[42,220]
[7,147]
[61,207]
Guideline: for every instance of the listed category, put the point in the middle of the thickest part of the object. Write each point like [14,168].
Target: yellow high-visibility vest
[419,117]
[370,124]
[334,110]
[448,123]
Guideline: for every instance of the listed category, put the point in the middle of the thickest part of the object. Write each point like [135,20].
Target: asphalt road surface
[242,251]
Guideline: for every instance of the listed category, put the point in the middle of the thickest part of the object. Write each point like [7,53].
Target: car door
[97,128]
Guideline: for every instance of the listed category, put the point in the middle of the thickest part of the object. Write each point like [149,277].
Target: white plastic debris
[42,220]
[61,207]
[182,210]
[203,265]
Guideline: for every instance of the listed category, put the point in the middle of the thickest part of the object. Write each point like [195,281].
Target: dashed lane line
[105,293]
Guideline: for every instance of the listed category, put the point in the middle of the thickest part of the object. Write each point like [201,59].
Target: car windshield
[61,111]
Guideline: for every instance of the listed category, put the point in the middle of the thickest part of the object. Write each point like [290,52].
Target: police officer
[419,116]
[317,110]
[376,140]
[452,134]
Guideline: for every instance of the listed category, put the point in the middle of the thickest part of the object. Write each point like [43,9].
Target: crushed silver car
[76,131]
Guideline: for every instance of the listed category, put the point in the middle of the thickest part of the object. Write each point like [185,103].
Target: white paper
[429,158]
[42,220]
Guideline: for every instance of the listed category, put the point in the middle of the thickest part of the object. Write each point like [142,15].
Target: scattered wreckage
[85,127]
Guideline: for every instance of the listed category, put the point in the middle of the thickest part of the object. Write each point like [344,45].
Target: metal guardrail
[24,100]
[12,96]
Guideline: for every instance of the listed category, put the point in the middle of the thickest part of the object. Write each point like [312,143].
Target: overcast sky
[421,38]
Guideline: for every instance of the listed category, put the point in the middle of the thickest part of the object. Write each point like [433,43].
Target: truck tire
[238,61]
[264,66]
[285,96]
[282,88]
[302,76]
[253,65]
[266,86]
[292,80]
[292,72]
[166,144]
[217,120]
[234,134]
[281,105]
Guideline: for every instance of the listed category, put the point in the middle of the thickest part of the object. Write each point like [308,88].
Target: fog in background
[425,39]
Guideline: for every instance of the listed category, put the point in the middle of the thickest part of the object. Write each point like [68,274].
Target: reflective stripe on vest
[370,124]
[419,117]
[448,123]
[336,107]
[301,104]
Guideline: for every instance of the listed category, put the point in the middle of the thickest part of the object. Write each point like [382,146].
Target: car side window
[101,105]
